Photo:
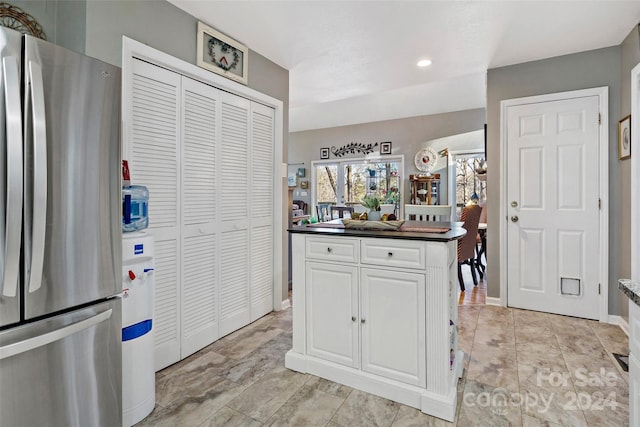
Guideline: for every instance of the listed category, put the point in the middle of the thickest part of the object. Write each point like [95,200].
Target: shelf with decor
[425,189]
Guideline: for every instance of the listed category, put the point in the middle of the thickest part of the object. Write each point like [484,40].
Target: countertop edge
[631,289]
[453,234]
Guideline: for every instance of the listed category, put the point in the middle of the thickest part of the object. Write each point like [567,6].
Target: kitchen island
[632,290]
[377,311]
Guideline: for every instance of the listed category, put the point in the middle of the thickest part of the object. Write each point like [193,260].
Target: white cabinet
[367,310]
[392,324]
[207,157]
[634,363]
[332,308]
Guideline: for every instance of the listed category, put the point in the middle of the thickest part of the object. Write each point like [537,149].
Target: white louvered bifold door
[153,134]
[261,209]
[234,213]
[200,105]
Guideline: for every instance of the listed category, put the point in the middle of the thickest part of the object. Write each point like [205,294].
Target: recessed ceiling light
[424,63]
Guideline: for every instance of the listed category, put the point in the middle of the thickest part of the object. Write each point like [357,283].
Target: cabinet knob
[353,318]
[362,321]
[390,254]
[329,250]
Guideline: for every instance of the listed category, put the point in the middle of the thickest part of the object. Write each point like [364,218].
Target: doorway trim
[603,170]
[635,171]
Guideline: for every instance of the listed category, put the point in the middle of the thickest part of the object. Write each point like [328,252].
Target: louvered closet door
[262,209]
[234,213]
[154,161]
[199,240]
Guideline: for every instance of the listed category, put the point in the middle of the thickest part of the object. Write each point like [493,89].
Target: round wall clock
[13,17]
[426,159]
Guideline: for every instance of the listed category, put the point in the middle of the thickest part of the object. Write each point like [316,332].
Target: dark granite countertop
[631,289]
[455,233]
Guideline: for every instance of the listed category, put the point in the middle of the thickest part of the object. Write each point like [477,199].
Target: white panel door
[393,325]
[234,213]
[200,127]
[332,312]
[262,209]
[552,206]
[154,132]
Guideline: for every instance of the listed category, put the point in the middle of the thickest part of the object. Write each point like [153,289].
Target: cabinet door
[332,310]
[234,213]
[393,324]
[152,147]
[262,209]
[200,127]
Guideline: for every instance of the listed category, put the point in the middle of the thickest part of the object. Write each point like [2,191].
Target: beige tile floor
[522,368]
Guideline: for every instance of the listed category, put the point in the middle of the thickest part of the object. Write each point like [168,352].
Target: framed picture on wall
[292,179]
[221,54]
[624,138]
[324,153]
[385,147]
[304,185]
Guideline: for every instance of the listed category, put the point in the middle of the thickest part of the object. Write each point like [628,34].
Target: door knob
[353,318]
[514,218]
[514,204]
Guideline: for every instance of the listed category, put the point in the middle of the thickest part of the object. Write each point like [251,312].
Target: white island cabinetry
[378,312]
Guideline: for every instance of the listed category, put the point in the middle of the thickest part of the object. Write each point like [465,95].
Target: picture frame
[301,172]
[221,54]
[304,185]
[292,180]
[324,153]
[385,147]
[624,138]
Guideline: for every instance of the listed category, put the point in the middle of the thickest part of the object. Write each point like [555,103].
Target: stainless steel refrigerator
[60,237]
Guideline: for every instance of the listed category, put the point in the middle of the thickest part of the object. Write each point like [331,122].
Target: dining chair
[324,212]
[467,244]
[341,211]
[428,212]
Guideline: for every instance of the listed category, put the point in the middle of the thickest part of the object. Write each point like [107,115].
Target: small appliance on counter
[138,365]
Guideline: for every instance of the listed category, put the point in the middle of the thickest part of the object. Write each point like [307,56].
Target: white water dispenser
[138,372]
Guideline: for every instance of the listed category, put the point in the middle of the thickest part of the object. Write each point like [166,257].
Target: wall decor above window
[324,153]
[221,54]
[385,147]
[354,147]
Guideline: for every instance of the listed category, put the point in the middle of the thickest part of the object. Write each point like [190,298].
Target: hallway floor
[522,368]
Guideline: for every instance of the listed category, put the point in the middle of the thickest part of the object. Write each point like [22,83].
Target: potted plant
[373,204]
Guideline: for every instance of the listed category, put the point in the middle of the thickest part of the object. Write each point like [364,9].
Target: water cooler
[138,372]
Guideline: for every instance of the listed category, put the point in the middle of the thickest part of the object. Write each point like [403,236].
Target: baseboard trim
[620,321]
[285,304]
[492,301]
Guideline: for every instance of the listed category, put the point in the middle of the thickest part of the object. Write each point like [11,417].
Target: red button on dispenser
[132,275]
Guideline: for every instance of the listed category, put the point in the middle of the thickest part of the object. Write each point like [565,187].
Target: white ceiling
[354,61]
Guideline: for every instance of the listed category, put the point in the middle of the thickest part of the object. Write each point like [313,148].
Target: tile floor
[522,368]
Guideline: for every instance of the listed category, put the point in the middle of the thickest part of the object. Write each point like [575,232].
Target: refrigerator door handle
[38,226]
[56,335]
[13,113]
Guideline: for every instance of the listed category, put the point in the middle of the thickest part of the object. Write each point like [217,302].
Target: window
[468,182]
[346,182]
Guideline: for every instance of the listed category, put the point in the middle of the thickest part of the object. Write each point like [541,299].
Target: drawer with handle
[344,250]
[393,253]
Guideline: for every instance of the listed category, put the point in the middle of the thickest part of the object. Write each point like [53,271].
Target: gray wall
[407,137]
[96,27]
[630,57]
[63,21]
[583,70]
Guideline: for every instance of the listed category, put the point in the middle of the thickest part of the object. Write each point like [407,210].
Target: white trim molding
[493,301]
[635,172]
[603,170]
